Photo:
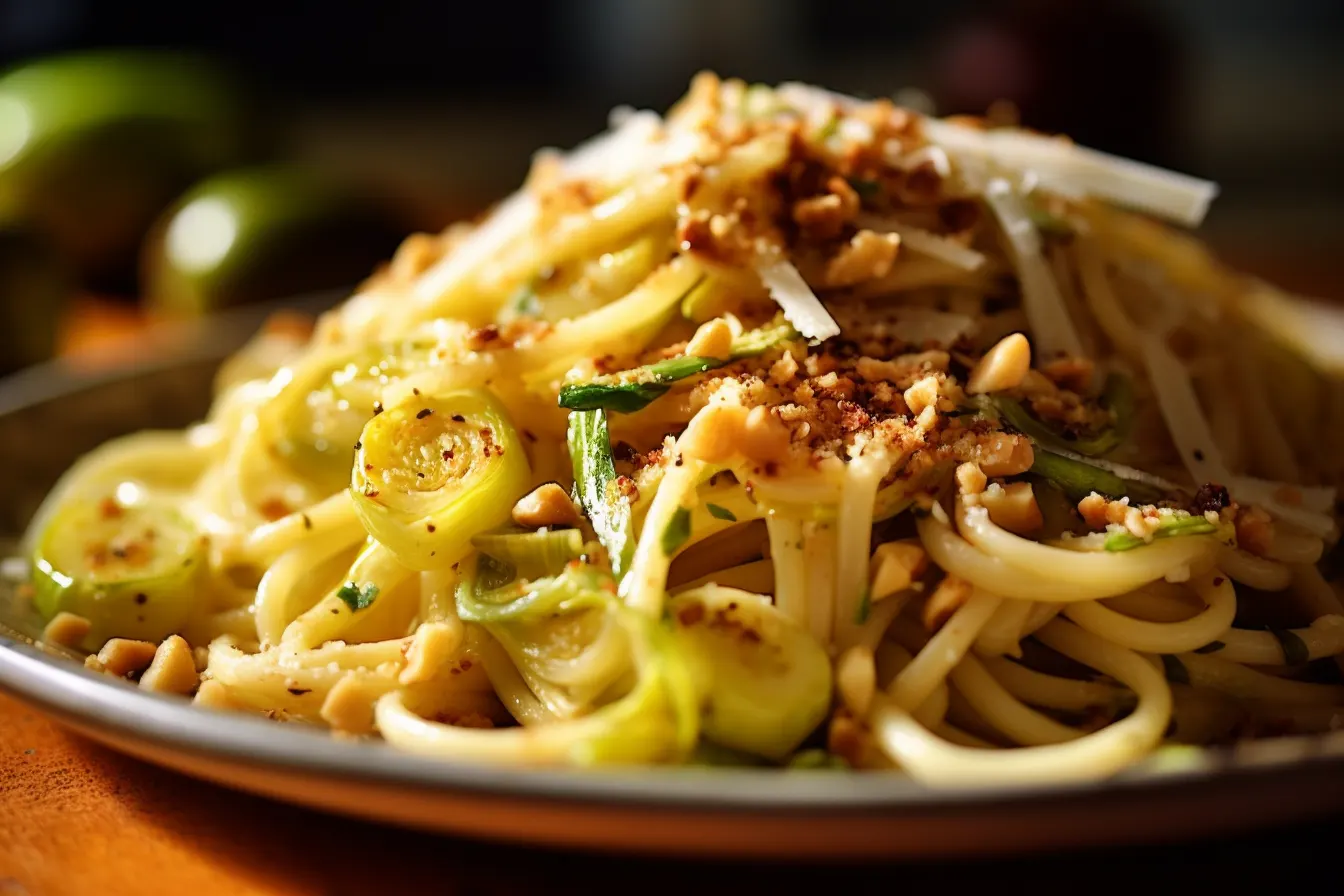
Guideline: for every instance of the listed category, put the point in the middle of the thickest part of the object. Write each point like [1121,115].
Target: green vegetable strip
[356,596]
[678,530]
[572,590]
[595,481]
[1191,525]
[532,555]
[721,513]
[652,381]
[1117,397]
[1078,480]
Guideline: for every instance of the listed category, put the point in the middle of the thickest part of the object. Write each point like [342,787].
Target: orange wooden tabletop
[78,819]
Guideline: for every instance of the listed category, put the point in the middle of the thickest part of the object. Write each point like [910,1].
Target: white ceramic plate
[49,416]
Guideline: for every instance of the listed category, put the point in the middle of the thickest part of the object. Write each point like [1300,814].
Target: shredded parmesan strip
[800,304]
[1062,166]
[1052,328]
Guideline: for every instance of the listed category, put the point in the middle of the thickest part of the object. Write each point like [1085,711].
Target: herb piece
[721,513]
[678,530]
[1175,669]
[1211,647]
[525,302]
[1168,528]
[607,507]
[1295,650]
[865,607]
[633,390]
[357,597]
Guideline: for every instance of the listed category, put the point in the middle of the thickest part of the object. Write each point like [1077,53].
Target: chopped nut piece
[546,505]
[714,339]
[173,669]
[949,597]
[1004,454]
[349,705]
[764,437]
[856,678]
[825,216]
[66,629]
[716,434]
[434,644]
[122,656]
[894,568]
[1093,511]
[1255,531]
[1013,507]
[971,480]
[212,694]
[923,394]
[867,256]
[1003,367]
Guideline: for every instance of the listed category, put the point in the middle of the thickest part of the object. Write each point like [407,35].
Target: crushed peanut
[923,394]
[714,339]
[971,480]
[1005,454]
[433,645]
[1001,368]
[894,567]
[950,596]
[66,629]
[349,705]
[213,694]
[764,437]
[1255,531]
[856,678]
[123,656]
[1013,507]
[716,433]
[173,669]
[546,505]
[867,256]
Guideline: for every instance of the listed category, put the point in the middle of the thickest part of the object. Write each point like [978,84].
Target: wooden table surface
[77,819]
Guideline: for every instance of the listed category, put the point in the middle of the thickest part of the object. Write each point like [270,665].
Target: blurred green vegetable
[94,145]
[262,233]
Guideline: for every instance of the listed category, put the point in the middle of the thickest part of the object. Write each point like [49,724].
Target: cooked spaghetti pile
[787,429]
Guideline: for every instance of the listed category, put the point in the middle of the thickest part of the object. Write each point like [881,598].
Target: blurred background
[216,153]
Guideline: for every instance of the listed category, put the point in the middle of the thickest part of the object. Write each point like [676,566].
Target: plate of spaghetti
[783,458]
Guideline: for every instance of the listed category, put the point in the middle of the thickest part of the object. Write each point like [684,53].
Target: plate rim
[65,690]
